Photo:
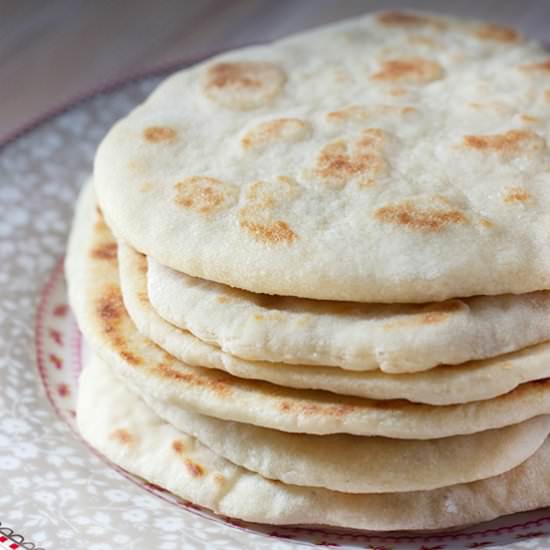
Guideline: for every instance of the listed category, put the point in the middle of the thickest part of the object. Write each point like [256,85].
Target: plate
[57,493]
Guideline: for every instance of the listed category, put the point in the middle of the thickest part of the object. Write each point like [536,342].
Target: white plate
[56,492]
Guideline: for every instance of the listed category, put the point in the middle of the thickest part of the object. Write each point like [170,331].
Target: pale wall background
[53,50]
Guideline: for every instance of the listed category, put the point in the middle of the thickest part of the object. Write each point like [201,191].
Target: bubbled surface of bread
[398,157]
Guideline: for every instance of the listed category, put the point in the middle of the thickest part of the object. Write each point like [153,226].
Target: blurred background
[53,50]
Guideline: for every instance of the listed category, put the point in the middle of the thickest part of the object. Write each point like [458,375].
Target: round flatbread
[395,338]
[355,464]
[377,160]
[118,423]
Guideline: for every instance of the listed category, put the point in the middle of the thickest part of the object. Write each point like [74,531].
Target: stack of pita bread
[311,276]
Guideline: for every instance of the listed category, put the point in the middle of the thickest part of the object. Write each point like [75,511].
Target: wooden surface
[53,50]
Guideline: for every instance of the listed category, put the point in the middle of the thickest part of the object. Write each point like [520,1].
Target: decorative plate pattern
[57,492]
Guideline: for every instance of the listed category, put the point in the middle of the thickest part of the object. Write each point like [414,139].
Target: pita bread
[118,424]
[355,464]
[366,161]
[447,385]
[395,338]
[95,296]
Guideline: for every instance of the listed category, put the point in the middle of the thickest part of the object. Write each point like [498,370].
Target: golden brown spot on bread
[111,315]
[205,195]
[219,478]
[335,162]
[271,315]
[498,33]
[243,85]
[442,311]
[105,251]
[224,300]
[406,214]
[280,130]
[510,143]
[122,436]
[316,409]
[110,307]
[212,381]
[367,182]
[258,215]
[156,134]
[240,75]
[540,67]
[327,410]
[178,446]
[372,137]
[404,19]
[277,232]
[141,262]
[414,70]
[256,192]
[486,223]
[262,196]
[195,469]
[131,357]
[516,194]
[433,318]
[352,112]
[338,162]
[101,227]
[437,313]
[359,113]
[166,357]
[529,119]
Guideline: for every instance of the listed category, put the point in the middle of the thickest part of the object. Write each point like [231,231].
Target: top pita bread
[391,158]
